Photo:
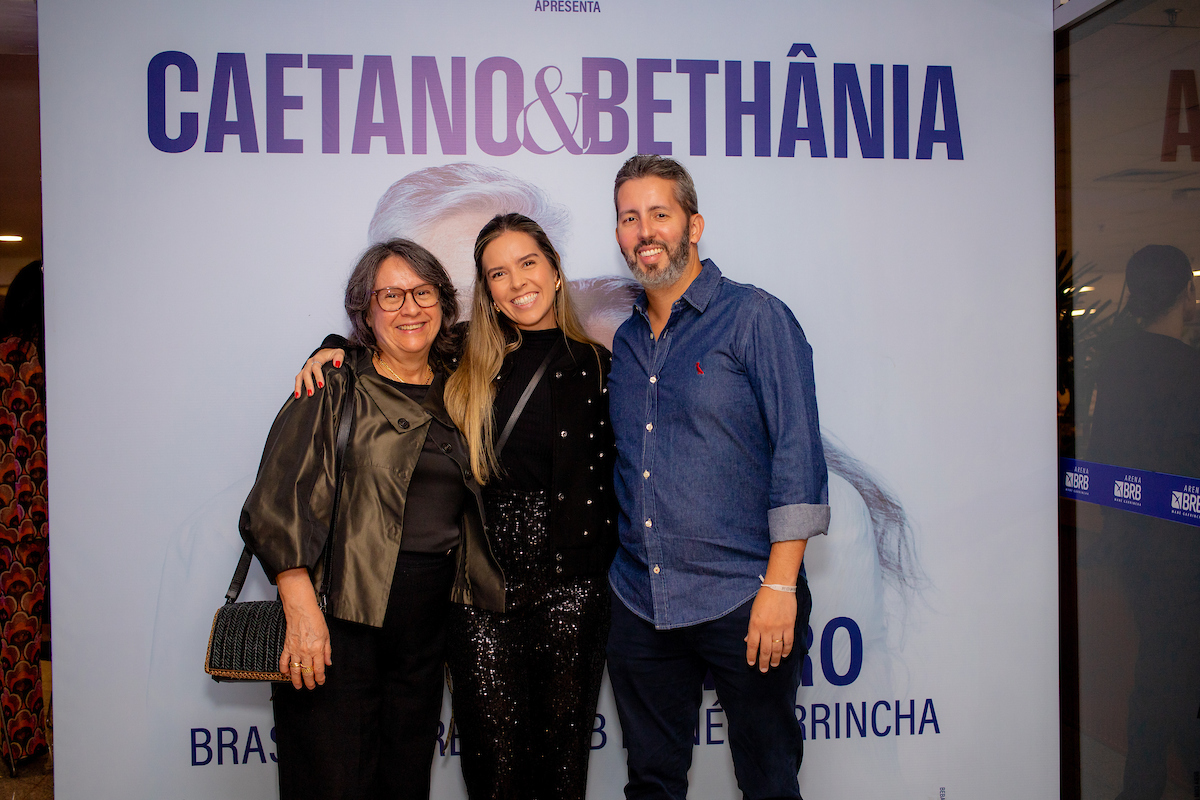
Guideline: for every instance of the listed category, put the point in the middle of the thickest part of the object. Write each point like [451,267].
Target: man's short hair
[1156,276]
[649,166]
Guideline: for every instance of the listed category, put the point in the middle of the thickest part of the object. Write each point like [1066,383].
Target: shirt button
[649,426]
[591,436]
[654,379]
[589,502]
[585,533]
[583,373]
[649,523]
[558,374]
[558,569]
[446,448]
[646,474]
[563,434]
[403,423]
[656,569]
[561,497]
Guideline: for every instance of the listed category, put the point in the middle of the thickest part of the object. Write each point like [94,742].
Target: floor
[34,781]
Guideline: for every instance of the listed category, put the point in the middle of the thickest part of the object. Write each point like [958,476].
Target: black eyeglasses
[391,298]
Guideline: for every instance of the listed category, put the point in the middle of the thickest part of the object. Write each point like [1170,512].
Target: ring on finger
[297,665]
[306,670]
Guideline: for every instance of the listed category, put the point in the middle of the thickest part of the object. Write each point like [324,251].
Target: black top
[526,463]
[1148,417]
[1148,406]
[436,495]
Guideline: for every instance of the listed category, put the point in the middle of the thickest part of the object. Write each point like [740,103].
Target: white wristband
[779,587]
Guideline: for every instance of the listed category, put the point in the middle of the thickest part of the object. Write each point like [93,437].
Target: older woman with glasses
[360,717]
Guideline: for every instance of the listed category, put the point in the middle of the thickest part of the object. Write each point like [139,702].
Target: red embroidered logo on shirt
[698,370]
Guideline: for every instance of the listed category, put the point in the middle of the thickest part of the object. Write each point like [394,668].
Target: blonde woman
[530,398]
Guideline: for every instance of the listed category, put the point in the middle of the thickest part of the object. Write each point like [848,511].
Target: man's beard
[666,275]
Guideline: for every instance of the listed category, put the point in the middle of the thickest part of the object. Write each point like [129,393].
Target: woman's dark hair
[24,307]
[428,269]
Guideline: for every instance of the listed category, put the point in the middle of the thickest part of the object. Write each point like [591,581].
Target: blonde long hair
[471,390]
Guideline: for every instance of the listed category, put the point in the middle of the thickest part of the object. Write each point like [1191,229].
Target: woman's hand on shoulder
[310,377]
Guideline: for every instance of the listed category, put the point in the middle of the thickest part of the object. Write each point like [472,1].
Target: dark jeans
[657,683]
[369,731]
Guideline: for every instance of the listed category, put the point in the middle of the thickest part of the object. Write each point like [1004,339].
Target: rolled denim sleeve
[778,360]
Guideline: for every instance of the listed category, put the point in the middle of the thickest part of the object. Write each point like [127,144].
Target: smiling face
[407,334]
[521,280]
[655,234]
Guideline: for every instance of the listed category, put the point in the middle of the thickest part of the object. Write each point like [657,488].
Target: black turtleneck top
[527,457]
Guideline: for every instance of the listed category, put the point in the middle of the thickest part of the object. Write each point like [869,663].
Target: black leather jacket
[583,505]
[285,520]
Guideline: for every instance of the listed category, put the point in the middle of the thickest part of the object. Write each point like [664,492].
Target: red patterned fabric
[24,562]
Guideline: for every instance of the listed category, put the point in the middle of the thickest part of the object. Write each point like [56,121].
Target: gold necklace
[428,371]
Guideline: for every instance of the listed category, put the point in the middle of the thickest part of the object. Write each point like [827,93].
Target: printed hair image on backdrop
[863,576]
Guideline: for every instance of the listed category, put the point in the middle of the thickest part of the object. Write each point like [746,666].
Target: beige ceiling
[1122,195]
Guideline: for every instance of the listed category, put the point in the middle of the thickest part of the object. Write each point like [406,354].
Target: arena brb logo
[618,105]
[1077,480]
[1187,500]
[1128,489]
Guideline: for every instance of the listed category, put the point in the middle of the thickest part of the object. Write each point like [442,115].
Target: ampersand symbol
[545,96]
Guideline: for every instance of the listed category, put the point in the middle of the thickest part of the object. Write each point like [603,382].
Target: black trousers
[657,680]
[526,681]
[369,731]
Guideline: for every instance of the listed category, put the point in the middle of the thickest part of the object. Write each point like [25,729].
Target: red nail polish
[337,364]
[320,385]
[310,392]
[297,393]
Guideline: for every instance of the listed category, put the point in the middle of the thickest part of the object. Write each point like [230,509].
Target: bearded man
[721,479]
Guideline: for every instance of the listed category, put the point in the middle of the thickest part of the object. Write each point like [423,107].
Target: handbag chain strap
[525,395]
[343,437]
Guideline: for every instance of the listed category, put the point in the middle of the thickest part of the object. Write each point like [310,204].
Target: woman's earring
[495,307]
[558,284]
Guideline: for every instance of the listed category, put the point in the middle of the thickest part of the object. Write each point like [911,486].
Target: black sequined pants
[526,681]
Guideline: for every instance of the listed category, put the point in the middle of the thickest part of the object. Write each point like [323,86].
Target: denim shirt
[718,449]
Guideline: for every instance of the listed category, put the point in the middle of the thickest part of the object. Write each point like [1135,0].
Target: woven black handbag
[246,640]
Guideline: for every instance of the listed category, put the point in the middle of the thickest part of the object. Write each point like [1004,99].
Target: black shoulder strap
[343,437]
[525,395]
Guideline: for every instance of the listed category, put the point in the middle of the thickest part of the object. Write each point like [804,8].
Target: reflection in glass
[1128,202]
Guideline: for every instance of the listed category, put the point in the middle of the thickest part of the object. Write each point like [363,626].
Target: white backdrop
[185,288]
